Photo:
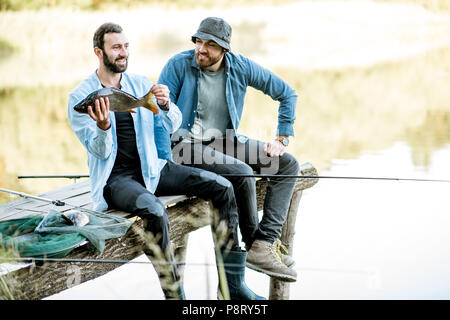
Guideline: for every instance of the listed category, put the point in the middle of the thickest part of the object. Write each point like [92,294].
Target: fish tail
[149,104]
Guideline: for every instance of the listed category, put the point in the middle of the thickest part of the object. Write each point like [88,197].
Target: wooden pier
[185,215]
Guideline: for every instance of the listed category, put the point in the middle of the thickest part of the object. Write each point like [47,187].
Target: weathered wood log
[40,281]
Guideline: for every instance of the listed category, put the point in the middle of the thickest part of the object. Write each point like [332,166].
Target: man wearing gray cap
[209,84]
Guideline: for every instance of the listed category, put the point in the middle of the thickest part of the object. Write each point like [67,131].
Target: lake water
[373,83]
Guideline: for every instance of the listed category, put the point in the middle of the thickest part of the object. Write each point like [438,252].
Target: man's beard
[111,66]
[206,63]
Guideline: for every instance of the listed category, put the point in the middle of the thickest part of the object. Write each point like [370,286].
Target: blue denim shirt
[101,145]
[181,74]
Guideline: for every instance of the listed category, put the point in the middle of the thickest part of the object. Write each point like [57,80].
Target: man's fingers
[107,105]
[100,109]
[91,113]
[160,90]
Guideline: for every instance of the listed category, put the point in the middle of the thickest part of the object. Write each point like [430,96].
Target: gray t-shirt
[212,117]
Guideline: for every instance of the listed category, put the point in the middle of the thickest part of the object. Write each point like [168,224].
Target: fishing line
[180,263]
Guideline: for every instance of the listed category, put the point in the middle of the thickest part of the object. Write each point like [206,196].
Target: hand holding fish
[162,95]
[101,114]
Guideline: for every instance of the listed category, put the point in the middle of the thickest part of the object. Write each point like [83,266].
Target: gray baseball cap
[215,29]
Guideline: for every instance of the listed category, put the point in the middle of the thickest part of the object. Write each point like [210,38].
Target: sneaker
[263,257]
[283,253]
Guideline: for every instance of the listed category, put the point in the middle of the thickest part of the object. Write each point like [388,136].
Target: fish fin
[152,108]
[148,103]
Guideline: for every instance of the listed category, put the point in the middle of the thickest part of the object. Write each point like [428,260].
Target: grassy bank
[17,5]
[433,5]
[6,49]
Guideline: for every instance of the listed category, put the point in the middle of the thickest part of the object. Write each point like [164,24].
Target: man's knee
[147,202]
[289,165]
[243,168]
[217,181]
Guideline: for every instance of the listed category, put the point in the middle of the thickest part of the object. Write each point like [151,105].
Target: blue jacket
[151,132]
[181,74]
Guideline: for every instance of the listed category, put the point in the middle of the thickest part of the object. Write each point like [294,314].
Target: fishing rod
[287,176]
[272,176]
[69,176]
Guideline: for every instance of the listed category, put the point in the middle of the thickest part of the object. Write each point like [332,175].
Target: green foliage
[6,49]
[17,5]
[8,283]
[433,5]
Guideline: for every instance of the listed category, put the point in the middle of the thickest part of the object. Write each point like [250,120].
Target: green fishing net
[53,237]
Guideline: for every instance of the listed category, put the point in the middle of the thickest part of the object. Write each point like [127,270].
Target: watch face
[285,141]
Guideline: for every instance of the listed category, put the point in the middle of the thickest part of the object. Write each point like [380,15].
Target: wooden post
[279,290]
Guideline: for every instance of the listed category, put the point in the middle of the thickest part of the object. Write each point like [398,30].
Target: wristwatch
[166,107]
[284,141]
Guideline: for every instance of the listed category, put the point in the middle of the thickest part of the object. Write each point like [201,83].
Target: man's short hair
[99,35]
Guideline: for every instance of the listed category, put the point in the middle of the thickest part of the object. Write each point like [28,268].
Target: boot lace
[280,249]
[275,252]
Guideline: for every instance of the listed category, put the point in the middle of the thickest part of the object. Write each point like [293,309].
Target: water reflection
[432,134]
[341,114]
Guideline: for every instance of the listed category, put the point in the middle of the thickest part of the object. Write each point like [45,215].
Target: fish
[76,218]
[119,100]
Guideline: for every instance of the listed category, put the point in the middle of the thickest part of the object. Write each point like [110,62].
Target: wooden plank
[68,191]
[77,194]
[62,193]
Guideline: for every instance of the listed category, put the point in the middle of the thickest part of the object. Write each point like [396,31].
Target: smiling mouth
[202,56]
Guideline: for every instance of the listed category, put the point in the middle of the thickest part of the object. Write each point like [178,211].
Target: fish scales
[119,101]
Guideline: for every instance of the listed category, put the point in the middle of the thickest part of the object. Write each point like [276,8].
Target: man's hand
[275,148]
[162,95]
[101,114]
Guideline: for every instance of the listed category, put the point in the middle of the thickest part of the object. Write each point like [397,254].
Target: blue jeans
[229,155]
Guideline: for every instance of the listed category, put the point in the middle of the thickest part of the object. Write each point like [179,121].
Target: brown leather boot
[263,257]
[283,253]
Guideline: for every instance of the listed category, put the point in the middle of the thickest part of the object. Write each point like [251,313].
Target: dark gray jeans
[231,156]
[126,191]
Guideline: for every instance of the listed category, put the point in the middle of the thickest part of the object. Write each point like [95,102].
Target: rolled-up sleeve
[98,142]
[272,85]
[172,118]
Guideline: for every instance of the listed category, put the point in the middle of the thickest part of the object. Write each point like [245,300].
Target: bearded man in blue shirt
[208,84]
[127,170]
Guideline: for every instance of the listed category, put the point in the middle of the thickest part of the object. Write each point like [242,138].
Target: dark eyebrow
[120,44]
